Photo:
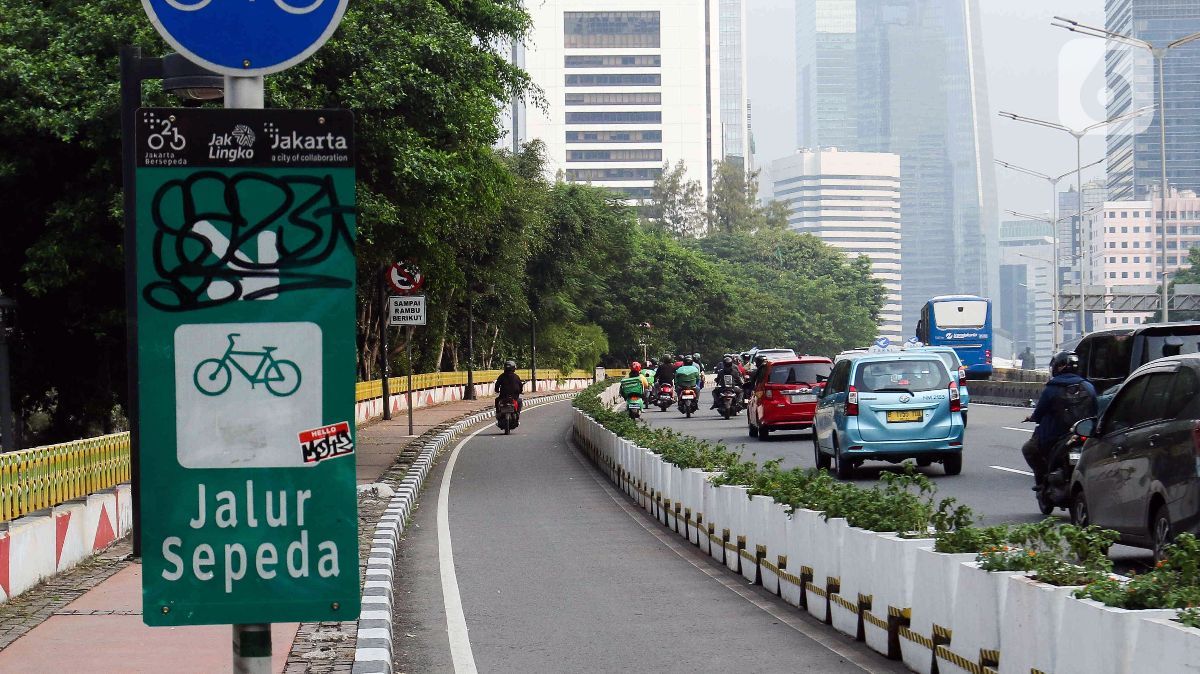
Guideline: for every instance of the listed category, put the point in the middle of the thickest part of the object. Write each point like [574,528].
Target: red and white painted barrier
[37,546]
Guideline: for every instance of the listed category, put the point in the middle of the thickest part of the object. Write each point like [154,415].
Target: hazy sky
[1030,66]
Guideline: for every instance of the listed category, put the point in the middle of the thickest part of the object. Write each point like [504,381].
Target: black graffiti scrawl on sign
[222,238]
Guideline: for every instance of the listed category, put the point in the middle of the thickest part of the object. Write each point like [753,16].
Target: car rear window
[1110,357]
[949,358]
[901,375]
[1172,341]
[799,373]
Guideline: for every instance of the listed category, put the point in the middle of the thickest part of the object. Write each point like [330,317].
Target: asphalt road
[528,560]
[995,481]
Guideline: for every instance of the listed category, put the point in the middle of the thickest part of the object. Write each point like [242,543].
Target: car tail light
[770,394]
[962,372]
[955,398]
[852,402]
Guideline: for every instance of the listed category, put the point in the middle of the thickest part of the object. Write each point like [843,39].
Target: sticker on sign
[407,310]
[326,442]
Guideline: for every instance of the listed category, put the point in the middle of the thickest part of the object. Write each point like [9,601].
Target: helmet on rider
[759,361]
[510,366]
[696,357]
[1064,362]
[687,360]
[728,360]
[635,368]
[652,363]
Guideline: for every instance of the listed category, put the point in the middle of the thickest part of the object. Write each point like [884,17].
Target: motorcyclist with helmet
[1066,399]
[634,384]
[727,366]
[688,375]
[509,386]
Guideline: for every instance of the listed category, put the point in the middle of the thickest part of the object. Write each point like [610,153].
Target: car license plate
[904,416]
[803,399]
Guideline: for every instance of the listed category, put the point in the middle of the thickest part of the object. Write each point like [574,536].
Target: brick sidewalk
[89,619]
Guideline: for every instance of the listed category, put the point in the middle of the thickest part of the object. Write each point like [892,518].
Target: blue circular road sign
[245,37]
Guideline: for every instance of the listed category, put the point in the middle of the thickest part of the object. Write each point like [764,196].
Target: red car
[784,397]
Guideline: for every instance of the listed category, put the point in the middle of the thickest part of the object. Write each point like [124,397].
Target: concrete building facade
[1026,289]
[630,85]
[851,200]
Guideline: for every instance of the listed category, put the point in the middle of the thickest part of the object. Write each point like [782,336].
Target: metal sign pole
[384,361]
[251,643]
[408,357]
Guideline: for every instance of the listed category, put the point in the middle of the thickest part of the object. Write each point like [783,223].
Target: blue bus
[963,322]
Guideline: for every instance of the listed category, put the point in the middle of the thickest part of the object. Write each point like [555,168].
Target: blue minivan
[889,407]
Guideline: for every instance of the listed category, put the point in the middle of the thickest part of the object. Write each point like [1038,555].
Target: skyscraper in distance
[909,75]
[629,85]
[734,104]
[1134,165]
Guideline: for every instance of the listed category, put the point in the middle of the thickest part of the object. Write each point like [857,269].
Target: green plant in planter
[1055,553]
[1173,583]
[1189,617]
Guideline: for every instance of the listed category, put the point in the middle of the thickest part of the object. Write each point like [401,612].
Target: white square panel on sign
[243,391]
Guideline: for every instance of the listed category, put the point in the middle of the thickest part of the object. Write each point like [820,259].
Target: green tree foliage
[734,204]
[677,204]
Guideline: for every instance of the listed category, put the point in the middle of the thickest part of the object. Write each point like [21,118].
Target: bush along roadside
[1173,583]
[892,565]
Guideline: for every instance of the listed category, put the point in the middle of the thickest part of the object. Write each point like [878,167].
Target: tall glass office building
[827,105]
[735,123]
[1133,158]
[916,89]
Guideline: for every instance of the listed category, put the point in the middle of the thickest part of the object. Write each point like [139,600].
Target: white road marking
[456,621]
[1019,430]
[1013,470]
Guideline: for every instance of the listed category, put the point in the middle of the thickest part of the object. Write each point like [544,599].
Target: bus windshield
[960,314]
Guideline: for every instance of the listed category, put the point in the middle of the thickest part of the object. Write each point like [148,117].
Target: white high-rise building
[735,107]
[851,200]
[629,85]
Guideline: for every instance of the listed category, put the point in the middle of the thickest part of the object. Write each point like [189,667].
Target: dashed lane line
[1013,470]
[1019,430]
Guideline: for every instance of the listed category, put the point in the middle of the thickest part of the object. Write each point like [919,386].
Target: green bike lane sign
[246,348]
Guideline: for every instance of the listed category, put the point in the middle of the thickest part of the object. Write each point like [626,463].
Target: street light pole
[469,394]
[8,439]
[1054,220]
[1159,54]
[1078,134]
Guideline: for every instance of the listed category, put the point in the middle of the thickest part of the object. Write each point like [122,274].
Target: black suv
[1138,470]
[1107,357]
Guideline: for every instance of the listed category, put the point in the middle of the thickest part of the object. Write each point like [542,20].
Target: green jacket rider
[688,374]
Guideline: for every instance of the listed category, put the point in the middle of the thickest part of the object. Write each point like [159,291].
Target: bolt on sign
[246,341]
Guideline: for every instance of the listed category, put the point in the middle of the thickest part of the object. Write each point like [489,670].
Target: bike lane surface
[555,575]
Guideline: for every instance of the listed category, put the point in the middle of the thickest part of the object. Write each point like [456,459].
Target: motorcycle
[688,401]
[728,401]
[507,416]
[1054,489]
[666,396]
[651,397]
[634,406]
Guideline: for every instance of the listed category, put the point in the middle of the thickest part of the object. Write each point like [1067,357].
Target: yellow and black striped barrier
[43,477]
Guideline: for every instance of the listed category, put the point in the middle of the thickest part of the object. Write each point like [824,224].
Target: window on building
[642,61]
[589,30]
[1112,230]
[1147,214]
[613,174]
[613,80]
[614,118]
[1124,259]
[1137,274]
[614,136]
[1170,229]
[1112,274]
[1173,259]
[1136,230]
[1124,230]
[1136,244]
[1124,274]
[614,155]
[1124,214]
[626,98]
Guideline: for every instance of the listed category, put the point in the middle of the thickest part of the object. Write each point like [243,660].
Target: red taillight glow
[955,398]
[987,356]
[852,402]
[962,372]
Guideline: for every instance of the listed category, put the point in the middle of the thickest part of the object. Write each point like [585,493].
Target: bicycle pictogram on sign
[201,4]
[213,376]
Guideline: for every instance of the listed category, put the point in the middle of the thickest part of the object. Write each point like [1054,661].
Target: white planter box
[1168,646]
[775,540]
[825,552]
[715,514]
[1111,635]
[935,583]
[737,502]
[895,567]
[857,569]
[1028,634]
[799,552]
[979,610]
[754,528]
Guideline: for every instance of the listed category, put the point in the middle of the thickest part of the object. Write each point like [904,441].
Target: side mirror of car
[1085,428]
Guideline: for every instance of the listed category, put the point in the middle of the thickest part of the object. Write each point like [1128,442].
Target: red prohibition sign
[405,278]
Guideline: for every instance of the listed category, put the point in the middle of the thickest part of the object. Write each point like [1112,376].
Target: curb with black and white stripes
[373,652]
